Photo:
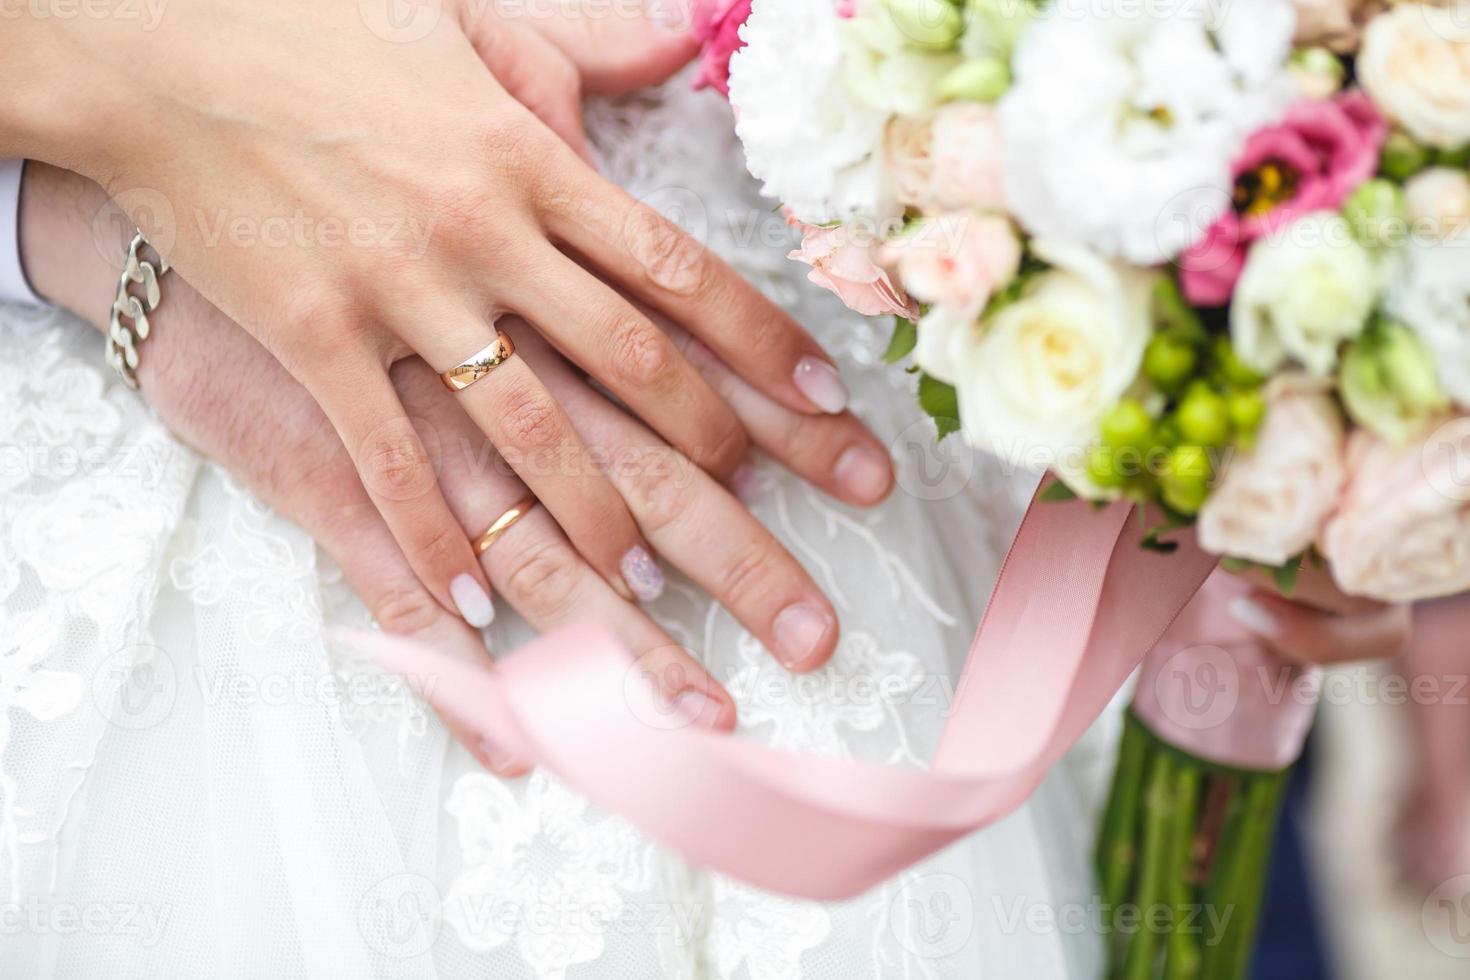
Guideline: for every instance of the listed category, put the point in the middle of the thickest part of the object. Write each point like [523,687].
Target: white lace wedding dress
[192,785]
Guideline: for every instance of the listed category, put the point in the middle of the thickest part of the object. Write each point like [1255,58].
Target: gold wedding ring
[503,523]
[461,376]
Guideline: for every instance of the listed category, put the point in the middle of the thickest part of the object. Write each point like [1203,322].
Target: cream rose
[1305,289]
[1035,380]
[1335,24]
[1438,201]
[906,150]
[1272,501]
[1402,530]
[1415,63]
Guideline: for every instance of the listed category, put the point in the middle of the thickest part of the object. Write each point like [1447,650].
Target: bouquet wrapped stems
[1182,858]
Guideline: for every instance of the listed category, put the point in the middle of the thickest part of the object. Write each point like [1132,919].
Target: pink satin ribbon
[1211,688]
[1078,603]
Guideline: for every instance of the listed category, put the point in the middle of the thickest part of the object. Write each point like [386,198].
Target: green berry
[1232,370]
[1402,158]
[1127,425]
[1167,361]
[1247,410]
[1204,417]
[1103,467]
[1185,479]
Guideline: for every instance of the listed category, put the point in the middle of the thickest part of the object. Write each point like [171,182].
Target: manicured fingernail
[473,604]
[800,630]
[1253,615]
[821,384]
[743,482]
[494,757]
[642,574]
[696,708]
[671,15]
[864,472]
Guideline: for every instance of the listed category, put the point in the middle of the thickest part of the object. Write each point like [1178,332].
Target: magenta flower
[716,26]
[1310,161]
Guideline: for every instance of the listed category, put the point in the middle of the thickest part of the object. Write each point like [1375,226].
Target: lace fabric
[192,784]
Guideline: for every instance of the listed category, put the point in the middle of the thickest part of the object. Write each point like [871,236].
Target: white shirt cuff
[13,285]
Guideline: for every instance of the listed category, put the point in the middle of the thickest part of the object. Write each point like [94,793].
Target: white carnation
[808,136]
[1122,124]
[1431,295]
[1305,290]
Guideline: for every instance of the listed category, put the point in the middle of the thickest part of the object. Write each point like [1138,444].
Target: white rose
[1305,289]
[1271,502]
[1415,63]
[1438,200]
[1402,530]
[1035,380]
[1431,296]
[817,147]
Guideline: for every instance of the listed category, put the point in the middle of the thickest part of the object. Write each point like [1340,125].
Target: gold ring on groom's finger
[466,373]
[503,523]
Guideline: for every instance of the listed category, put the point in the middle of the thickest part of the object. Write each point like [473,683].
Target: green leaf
[901,344]
[1285,576]
[942,403]
[1056,492]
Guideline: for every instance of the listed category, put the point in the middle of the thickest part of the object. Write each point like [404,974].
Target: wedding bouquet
[1211,256]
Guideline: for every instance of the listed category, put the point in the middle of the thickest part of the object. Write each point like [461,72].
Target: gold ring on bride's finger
[466,373]
[503,523]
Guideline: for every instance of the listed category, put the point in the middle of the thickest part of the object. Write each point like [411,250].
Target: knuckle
[394,463]
[672,260]
[656,496]
[642,355]
[532,421]
[406,611]
[726,450]
[745,577]
[543,578]
[438,546]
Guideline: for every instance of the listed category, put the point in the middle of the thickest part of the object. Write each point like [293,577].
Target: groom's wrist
[70,248]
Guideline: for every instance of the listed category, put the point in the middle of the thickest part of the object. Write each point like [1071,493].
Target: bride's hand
[223,393]
[1319,623]
[354,196]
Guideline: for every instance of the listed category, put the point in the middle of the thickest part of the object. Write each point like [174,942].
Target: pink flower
[1272,500]
[842,260]
[966,158]
[1310,161]
[956,261]
[1402,529]
[716,25]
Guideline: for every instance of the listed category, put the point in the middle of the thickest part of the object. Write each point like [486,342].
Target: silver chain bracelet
[124,338]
